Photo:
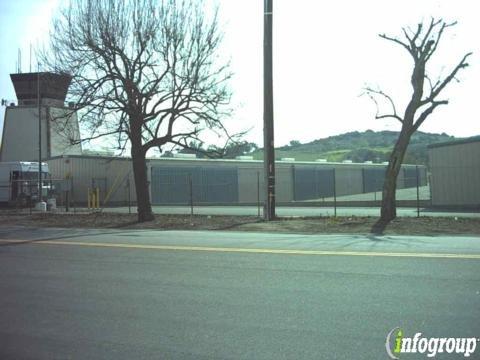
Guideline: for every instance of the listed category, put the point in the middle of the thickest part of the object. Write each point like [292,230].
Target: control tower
[59,125]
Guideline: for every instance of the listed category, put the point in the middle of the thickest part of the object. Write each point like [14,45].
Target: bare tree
[147,72]
[421,44]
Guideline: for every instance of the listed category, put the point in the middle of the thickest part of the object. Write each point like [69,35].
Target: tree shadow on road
[63,235]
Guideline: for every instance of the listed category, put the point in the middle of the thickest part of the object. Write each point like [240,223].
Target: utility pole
[268,143]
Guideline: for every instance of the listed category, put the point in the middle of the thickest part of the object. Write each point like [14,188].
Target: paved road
[111,294]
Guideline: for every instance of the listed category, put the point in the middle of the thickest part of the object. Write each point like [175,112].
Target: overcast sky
[325,52]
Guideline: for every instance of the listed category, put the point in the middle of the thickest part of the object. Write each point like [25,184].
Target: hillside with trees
[359,147]
[356,146]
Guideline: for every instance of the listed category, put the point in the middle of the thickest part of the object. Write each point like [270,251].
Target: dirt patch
[115,220]
[363,225]
[308,225]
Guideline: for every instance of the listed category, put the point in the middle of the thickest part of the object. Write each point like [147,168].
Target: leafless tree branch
[421,44]
[370,92]
[147,71]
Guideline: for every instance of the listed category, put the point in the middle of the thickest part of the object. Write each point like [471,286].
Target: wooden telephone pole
[268,143]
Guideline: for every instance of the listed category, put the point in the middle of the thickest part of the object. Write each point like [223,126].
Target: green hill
[359,147]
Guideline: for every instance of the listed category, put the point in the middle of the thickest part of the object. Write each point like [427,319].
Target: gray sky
[324,54]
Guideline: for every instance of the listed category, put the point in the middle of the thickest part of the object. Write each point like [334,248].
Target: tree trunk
[144,208]
[389,209]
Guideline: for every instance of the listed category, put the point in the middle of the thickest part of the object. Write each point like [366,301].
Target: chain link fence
[297,185]
[60,195]
[21,196]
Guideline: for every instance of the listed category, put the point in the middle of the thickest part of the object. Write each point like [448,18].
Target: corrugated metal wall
[348,180]
[171,184]
[284,182]
[313,183]
[220,181]
[373,179]
[250,183]
[111,175]
[455,174]
[410,176]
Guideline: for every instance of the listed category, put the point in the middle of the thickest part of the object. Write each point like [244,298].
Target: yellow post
[98,197]
[88,198]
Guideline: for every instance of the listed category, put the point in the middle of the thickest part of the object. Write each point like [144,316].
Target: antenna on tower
[19,70]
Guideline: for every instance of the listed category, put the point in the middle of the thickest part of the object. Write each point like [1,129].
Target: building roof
[468,140]
[221,160]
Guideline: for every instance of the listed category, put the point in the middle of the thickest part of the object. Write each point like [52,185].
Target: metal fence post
[73,195]
[97,198]
[334,193]
[88,198]
[429,183]
[129,197]
[294,195]
[9,191]
[258,193]
[67,200]
[364,188]
[418,192]
[190,185]
[30,192]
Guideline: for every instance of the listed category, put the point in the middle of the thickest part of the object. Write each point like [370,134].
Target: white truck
[19,182]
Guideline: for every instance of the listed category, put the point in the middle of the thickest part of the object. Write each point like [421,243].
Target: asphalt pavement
[134,294]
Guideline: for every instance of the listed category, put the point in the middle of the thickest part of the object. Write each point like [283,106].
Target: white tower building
[59,129]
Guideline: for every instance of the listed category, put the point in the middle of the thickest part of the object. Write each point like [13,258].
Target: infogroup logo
[397,343]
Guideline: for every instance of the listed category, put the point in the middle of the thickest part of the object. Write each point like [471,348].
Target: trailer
[19,182]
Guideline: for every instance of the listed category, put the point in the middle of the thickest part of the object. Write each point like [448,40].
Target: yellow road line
[246,250]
